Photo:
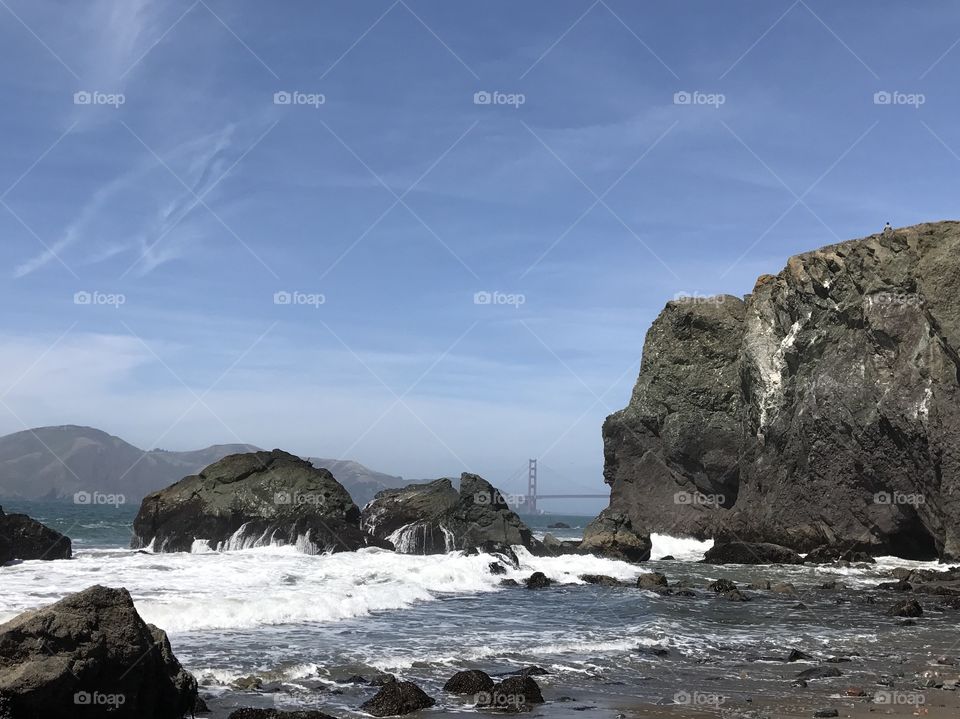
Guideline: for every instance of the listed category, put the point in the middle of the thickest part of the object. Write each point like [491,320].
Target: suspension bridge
[528,502]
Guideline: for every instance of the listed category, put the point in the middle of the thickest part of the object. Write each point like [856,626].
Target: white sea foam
[273,585]
[681,548]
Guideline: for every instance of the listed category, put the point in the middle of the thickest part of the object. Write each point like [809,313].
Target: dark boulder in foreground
[822,409]
[91,655]
[24,538]
[396,699]
[612,535]
[751,553]
[252,499]
[472,681]
[514,694]
[434,518]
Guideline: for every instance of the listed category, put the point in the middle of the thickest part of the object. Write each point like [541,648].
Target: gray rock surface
[434,518]
[91,655]
[24,538]
[252,499]
[821,410]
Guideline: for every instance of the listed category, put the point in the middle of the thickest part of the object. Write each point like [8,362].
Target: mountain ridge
[58,461]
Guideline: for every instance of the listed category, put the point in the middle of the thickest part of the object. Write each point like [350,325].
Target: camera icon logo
[482,298]
[82,97]
[282,98]
[282,298]
[82,498]
[83,698]
[82,298]
[882,498]
[882,97]
[482,98]
[682,98]
[282,498]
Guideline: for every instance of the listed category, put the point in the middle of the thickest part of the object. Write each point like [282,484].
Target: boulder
[472,681]
[722,585]
[91,655]
[397,699]
[650,580]
[822,409]
[826,554]
[514,694]
[538,580]
[906,608]
[601,580]
[559,525]
[24,538]
[751,553]
[253,499]
[612,535]
[434,518]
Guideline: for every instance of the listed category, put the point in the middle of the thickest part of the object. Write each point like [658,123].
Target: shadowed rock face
[24,538]
[90,653]
[823,408]
[434,518]
[250,499]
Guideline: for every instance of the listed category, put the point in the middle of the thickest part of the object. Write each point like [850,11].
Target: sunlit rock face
[821,409]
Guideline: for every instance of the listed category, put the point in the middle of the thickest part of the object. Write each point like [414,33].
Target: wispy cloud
[105,228]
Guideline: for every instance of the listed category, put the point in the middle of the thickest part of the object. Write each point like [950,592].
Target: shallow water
[305,621]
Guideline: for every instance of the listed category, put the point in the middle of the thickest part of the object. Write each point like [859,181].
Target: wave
[680,548]
[278,585]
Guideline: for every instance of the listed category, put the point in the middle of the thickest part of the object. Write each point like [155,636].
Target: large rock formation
[252,499]
[821,410]
[91,655]
[24,538]
[434,518]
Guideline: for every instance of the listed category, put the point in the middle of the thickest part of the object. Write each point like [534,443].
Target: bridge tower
[532,487]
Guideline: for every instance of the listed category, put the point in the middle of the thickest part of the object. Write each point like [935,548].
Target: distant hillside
[360,481]
[57,462]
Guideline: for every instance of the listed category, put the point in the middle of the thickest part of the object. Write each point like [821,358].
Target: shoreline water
[300,625]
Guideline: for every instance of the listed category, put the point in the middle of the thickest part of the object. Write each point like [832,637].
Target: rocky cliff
[819,410]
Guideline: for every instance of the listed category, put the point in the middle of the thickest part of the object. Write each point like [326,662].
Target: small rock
[396,699]
[509,583]
[734,595]
[796,655]
[828,712]
[722,585]
[515,694]
[472,681]
[906,608]
[649,580]
[601,580]
[538,580]
[497,568]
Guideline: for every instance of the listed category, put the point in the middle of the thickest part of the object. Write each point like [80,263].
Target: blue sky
[587,195]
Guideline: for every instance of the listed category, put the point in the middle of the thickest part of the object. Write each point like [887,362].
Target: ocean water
[303,624]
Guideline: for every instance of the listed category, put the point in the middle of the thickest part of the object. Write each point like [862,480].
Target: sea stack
[819,410]
[252,499]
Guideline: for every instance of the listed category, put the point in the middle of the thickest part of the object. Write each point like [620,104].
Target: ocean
[303,625]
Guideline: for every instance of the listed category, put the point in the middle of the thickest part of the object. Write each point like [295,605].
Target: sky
[428,235]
